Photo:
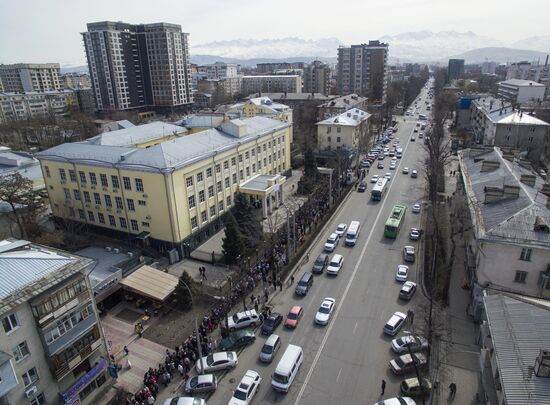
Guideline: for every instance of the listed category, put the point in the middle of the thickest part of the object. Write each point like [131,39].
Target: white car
[395,323]
[217,361]
[402,273]
[414,234]
[341,229]
[247,388]
[331,242]
[184,401]
[414,174]
[416,208]
[325,311]
[243,319]
[415,342]
[392,166]
[405,170]
[375,178]
[335,264]
[397,401]
[387,176]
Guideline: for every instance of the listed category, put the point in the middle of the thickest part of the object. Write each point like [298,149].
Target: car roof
[342,224]
[336,257]
[333,235]
[219,356]
[274,315]
[295,309]
[204,378]
[271,339]
[249,377]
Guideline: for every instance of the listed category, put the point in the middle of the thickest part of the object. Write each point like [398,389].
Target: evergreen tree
[183,291]
[232,243]
[249,224]
[308,181]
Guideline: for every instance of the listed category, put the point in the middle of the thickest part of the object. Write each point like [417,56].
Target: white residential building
[23,106]
[220,70]
[271,84]
[520,91]
[344,131]
[30,77]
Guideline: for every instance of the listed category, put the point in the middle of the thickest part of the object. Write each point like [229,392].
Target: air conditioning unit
[145,195]
[148,217]
[92,187]
[115,190]
[118,211]
[63,181]
[116,250]
[88,205]
[108,248]
[109,209]
[31,392]
[97,206]
[105,189]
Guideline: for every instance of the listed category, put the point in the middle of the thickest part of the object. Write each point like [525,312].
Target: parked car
[397,400]
[271,323]
[237,339]
[407,290]
[362,187]
[341,230]
[409,254]
[405,170]
[217,361]
[201,383]
[414,388]
[335,264]
[395,323]
[294,316]
[416,208]
[244,319]
[392,166]
[415,343]
[320,263]
[414,174]
[387,176]
[413,138]
[402,273]
[331,242]
[247,388]
[325,311]
[405,363]
[414,234]
[184,401]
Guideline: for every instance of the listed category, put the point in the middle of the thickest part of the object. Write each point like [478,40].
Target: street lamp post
[196,328]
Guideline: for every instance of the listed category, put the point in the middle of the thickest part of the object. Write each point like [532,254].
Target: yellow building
[263,106]
[150,183]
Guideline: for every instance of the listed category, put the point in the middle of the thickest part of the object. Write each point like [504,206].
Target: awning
[143,235]
[151,283]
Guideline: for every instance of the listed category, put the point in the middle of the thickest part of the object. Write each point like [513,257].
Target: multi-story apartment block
[510,213]
[345,131]
[455,69]
[220,70]
[150,183]
[30,77]
[52,349]
[317,77]
[340,105]
[228,86]
[480,110]
[520,91]
[363,69]
[271,67]
[23,106]
[271,84]
[488,68]
[75,81]
[133,66]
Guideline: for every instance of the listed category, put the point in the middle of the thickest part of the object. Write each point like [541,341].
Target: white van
[286,370]
[353,233]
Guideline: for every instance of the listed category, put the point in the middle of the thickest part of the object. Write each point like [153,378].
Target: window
[201,196]
[228,201]
[10,323]
[226,164]
[114,180]
[97,199]
[39,400]
[218,168]
[191,201]
[525,254]
[139,185]
[194,223]
[112,221]
[246,155]
[254,167]
[62,175]
[145,224]
[47,171]
[200,177]
[67,193]
[220,206]
[82,178]
[248,172]
[20,352]
[204,216]
[76,194]
[212,211]
[338,139]
[93,179]
[119,204]
[234,178]
[338,129]
[209,172]
[87,197]
[134,225]
[264,147]
[103,178]
[108,202]
[101,218]
[219,186]
[329,129]
[240,158]
[233,161]
[30,377]
[259,150]
[122,222]
[142,203]
[521,276]
[72,175]
[241,174]
[253,152]
[329,139]
[127,183]
[71,212]
[81,214]
[189,181]
[227,182]
[130,204]
[210,191]
[91,216]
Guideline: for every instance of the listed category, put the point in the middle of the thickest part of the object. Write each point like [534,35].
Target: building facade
[363,69]
[317,76]
[345,131]
[75,81]
[271,84]
[134,66]
[338,105]
[520,91]
[455,69]
[153,183]
[52,347]
[480,110]
[220,70]
[30,77]
[271,67]
[24,106]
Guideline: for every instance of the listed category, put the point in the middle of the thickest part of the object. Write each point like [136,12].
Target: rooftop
[168,155]
[27,269]
[515,117]
[201,121]
[134,135]
[344,101]
[490,104]
[521,83]
[350,117]
[503,207]
[271,76]
[266,102]
[293,96]
[519,330]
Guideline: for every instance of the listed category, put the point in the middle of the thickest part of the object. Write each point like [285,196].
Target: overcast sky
[48,30]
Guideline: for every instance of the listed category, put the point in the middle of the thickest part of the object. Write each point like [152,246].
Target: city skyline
[43,38]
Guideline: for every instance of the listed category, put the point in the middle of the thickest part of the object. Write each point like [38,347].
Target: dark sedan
[271,323]
[237,339]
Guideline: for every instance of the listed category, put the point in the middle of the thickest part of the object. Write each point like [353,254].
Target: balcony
[71,336]
[7,374]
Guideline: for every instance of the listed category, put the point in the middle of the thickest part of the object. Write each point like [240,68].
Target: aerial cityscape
[291,203]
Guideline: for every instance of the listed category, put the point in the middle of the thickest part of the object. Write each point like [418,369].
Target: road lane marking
[338,376]
[355,328]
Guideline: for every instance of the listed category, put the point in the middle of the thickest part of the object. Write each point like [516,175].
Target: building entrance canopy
[151,283]
[267,187]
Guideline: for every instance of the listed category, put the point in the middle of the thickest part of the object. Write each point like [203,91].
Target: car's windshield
[269,321]
[324,310]
[283,379]
[240,395]
[267,349]
[210,360]
[194,381]
[292,316]
[319,262]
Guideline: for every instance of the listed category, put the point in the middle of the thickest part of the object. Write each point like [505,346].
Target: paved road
[346,360]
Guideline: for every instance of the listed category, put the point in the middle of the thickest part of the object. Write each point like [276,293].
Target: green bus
[394,222]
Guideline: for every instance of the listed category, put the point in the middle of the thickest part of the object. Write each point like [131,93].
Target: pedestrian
[280,285]
[204,273]
[151,400]
[383,387]
[256,305]
[292,279]
[452,389]
[126,351]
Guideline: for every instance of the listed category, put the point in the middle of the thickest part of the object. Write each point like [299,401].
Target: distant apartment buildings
[76,81]
[29,77]
[134,66]
[317,76]
[338,105]
[344,131]
[52,349]
[24,106]
[488,68]
[363,69]
[455,69]
[220,70]
[271,84]
[519,91]
[271,67]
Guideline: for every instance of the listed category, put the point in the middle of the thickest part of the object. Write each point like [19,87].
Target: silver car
[201,383]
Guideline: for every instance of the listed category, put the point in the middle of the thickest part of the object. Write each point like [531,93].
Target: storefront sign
[71,393]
